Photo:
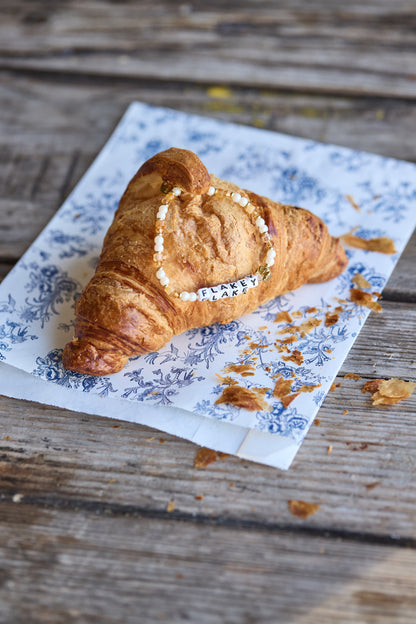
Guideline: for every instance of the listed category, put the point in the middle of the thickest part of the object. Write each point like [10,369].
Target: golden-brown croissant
[187,250]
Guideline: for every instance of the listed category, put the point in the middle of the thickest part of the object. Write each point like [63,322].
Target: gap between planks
[99,508]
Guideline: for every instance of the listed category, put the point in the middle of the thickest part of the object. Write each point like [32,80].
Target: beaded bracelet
[221,291]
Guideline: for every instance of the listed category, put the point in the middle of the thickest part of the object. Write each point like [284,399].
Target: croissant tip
[83,357]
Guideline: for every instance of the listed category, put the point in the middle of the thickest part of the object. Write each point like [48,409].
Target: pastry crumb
[353,203]
[249,399]
[244,370]
[382,244]
[360,281]
[331,319]
[283,317]
[296,357]
[302,509]
[364,299]
[170,506]
[204,456]
[352,376]
[389,391]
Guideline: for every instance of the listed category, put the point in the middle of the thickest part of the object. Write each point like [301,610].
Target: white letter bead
[162,212]
[211,190]
[243,202]
[160,273]
[222,291]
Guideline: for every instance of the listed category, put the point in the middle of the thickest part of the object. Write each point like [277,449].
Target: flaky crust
[124,311]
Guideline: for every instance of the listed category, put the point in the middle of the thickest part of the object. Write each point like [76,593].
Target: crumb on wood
[170,506]
[357,446]
[372,485]
[329,449]
[352,376]
[302,509]
[389,391]
[317,422]
[204,456]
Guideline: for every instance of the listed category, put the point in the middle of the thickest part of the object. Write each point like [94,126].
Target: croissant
[186,250]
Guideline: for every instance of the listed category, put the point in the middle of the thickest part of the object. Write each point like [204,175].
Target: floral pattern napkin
[317,323]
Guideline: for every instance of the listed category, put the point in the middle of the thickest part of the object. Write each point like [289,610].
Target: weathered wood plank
[365,49]
[42,115]
[67,566]
[369,477]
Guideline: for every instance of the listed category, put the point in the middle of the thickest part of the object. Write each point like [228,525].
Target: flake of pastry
[389,391]
[331,319]
[283,317]
[353,203]
[204,456]
[362,298]
[360,281]
[296,357]
[381,244]
[249,399]
[302,509]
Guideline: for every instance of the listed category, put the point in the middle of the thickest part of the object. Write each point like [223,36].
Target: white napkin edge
[257,446]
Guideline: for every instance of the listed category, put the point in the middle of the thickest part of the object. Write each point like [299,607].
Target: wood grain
[368,48]
[125,568]
[63,458]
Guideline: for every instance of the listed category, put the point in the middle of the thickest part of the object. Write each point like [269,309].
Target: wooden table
[86,531]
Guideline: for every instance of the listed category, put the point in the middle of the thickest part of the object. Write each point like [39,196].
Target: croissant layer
[209,239]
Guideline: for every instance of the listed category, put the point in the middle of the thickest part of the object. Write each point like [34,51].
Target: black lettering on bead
[224,294]
[243,283]
[224,287]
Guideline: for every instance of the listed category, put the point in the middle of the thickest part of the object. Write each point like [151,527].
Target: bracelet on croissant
[185,250]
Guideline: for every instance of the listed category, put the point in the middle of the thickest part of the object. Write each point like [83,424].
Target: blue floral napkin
[177,388]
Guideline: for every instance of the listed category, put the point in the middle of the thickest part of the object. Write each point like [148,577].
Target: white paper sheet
[176,389]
